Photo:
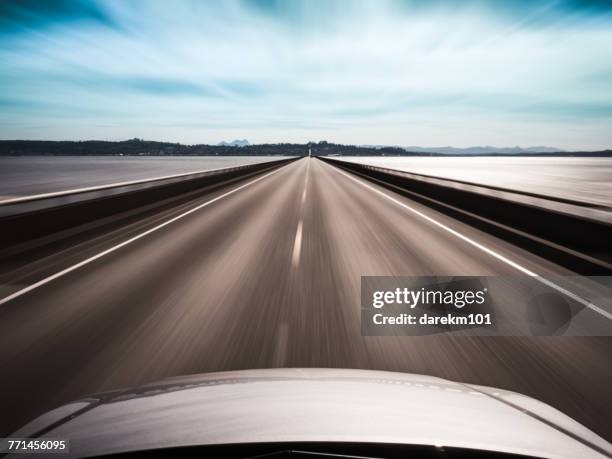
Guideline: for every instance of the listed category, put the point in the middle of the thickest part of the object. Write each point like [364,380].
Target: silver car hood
[316,405]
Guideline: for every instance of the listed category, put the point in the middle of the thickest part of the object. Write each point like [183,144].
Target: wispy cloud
[395,72]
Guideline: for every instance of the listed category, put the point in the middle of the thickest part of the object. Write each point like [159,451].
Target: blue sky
[428,73]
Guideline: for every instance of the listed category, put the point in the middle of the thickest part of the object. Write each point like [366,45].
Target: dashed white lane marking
[48,279]
[297,246]
[485,249]
[304,196]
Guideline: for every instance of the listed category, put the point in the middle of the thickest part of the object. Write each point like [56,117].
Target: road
[265,275]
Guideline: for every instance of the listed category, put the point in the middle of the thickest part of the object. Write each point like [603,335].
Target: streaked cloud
[377,72]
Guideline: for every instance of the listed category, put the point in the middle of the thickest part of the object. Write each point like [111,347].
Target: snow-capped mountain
[234,143]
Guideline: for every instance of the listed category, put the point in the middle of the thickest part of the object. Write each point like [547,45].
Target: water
[30,175]
[581,179]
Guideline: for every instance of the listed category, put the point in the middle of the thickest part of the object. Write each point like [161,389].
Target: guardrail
[580,239]
[31,217]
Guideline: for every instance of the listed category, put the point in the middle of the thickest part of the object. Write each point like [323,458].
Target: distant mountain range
[477,150]
[480,150]
[234,143]
[140,147]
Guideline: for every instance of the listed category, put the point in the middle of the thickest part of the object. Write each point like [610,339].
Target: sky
[378,72]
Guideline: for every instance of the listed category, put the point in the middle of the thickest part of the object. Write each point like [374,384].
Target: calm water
[24,176]
[583,179]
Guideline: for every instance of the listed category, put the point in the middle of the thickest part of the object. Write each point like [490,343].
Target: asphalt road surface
[267,275]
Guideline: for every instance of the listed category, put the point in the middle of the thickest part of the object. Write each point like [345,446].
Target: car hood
[316,405]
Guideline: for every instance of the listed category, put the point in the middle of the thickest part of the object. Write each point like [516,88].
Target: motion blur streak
[488,251]
[216,291]
[46,280]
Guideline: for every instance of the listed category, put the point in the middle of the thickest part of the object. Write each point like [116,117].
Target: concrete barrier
[27,218]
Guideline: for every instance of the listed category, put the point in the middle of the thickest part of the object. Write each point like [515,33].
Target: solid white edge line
[485,249]
[48,279]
